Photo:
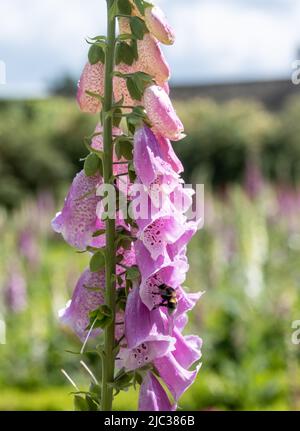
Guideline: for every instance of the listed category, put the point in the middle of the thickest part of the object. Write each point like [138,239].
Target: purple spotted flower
[87,296]
[78,220]
[154,339]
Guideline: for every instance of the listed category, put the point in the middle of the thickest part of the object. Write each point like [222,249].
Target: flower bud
[162,114]
[157,25]
[92,79]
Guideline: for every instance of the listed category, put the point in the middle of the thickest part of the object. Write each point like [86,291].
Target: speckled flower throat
[130,303]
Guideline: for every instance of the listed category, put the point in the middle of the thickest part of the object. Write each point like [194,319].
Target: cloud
[216,39]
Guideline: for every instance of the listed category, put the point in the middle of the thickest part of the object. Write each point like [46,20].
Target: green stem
[108,361]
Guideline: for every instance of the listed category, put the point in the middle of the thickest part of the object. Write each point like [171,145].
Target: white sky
[217,40]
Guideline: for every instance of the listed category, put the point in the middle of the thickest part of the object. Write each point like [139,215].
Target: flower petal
[153,397]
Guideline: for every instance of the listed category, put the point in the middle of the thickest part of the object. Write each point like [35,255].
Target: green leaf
[96,54]
[99,233]
[91,164]
[97,261]
[140,5]
[113,11]
[100,318]
[92,405]
[124,7]
[133,273]
[124,54]
[133,89]
[138,27]
[80,404]
[132,176]
[134,48]
[124,148]
[117,117]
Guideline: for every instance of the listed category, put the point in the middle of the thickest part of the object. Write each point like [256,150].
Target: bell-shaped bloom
[140,323]
[149,162]
[187,348]
[78,220]
[156,273]
[177,378]
[186,302]
[91,80]
[151,59]
[161,113]
[146,334]
[161,232]
[168,154]
[153,397]
[158,25]
[88,296]
[154,347]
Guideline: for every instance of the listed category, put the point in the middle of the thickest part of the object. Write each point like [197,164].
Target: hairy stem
[108,360]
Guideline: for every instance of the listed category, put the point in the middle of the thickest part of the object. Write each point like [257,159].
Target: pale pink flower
[158,25]
[162,114]
[91,80]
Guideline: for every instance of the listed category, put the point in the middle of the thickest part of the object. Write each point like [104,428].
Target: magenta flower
[168,154]
[177,378]
[147,339]
[153,397]
[154,339]
[92,80]
[151,159]
[162,114]
[158,25]
[78,220]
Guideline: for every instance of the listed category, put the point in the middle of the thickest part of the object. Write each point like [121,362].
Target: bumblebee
[169,298]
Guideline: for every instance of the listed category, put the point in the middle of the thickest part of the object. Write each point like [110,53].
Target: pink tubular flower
[168,154]
[162,114]
[78,220]
[177,378]
[151,59]
[88,296]
[157,25]
[153,397]
[151,159]
[92,80]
